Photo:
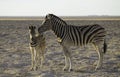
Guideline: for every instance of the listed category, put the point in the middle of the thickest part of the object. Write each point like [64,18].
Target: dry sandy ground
[15,54]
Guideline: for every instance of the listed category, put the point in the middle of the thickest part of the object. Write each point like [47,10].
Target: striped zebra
[37,48]
[71,35]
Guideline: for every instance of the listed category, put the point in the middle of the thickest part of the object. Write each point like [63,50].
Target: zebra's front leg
[70,63]
[67,60]
[66,64]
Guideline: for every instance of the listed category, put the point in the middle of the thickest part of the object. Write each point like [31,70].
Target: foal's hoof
[69,70]
[36,68]
[31,69]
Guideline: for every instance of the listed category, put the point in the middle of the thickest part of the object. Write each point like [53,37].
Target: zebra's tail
[104,47]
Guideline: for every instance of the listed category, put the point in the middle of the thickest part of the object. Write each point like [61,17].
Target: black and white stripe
[80,35]
[72,35]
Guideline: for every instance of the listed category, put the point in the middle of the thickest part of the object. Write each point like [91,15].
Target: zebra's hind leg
[100,54]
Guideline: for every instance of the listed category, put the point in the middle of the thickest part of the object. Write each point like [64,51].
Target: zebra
[71,35]
[37,48]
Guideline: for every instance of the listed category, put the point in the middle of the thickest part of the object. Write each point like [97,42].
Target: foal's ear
[30,27]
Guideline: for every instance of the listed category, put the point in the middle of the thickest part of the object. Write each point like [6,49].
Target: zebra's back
[80,35]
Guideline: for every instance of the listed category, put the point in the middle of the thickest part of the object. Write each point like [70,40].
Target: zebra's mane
[57,18]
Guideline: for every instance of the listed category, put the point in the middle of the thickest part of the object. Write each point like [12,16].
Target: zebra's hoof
[97,68]
[64,69]
[70,70]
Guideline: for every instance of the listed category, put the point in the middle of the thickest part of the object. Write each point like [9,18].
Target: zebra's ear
[47,16]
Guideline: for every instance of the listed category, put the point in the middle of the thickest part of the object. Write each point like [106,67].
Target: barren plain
[15,59]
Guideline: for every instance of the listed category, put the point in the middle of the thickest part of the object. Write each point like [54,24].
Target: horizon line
[67,16]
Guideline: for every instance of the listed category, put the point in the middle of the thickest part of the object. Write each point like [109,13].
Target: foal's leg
[42,61]
[38,58]
[35,59]
[32,56]
[42,56]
